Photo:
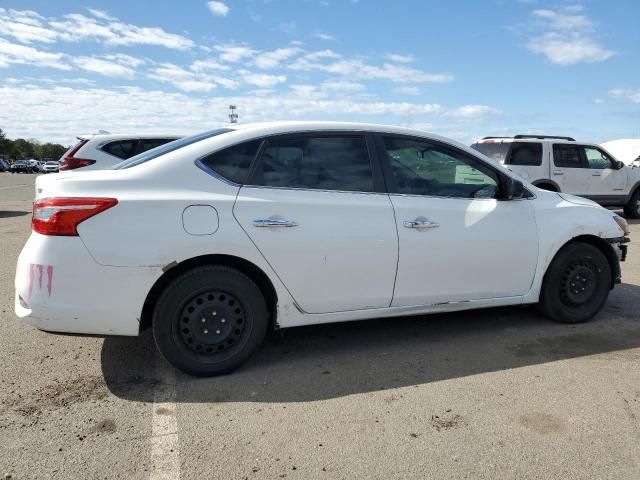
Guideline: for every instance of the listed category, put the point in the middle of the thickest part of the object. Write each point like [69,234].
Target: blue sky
[462,69]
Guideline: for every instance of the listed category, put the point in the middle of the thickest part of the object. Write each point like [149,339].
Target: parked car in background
[561,164]
[21,166]
[213,239]
[52,166]
[4,165]
[103,151]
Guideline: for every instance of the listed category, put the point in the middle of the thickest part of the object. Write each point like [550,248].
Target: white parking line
[165,455]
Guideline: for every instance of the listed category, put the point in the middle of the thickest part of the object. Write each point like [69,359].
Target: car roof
[119,136]
[284,127]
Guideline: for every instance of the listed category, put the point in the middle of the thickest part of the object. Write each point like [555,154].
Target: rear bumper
[61,288]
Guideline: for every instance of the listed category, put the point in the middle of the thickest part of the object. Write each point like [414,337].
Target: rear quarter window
[525,154]
[121,148]
[232,163]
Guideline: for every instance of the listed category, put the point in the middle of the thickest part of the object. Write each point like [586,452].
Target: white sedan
[212,239]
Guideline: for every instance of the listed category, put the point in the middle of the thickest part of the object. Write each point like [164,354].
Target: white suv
[212,239]
[102,151]
[561,164]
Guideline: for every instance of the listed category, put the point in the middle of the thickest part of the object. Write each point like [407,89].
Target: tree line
[29,148]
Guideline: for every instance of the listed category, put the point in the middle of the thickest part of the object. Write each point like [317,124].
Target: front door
[569,169]
[458,240]
[606,180]
[320,220]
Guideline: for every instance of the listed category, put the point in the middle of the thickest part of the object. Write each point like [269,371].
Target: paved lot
[490,394]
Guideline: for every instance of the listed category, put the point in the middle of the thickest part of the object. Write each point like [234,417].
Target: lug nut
[217,332]
[214,313]
[203,320]
[224,320]
[206,331]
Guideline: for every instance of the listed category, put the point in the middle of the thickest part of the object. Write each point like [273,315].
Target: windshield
[168,147]
[495,151]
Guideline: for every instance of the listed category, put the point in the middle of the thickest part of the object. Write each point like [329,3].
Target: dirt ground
[499,393]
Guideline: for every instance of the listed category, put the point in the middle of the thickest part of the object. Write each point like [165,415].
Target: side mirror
[618,164]
[515,189]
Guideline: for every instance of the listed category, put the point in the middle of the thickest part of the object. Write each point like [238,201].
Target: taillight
[61,216]
[73,163]
[69,162]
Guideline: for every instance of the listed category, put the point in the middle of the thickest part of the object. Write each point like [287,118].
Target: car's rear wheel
[576,285]
[209,320]
[632,209]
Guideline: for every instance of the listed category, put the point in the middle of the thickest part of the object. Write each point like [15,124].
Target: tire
[209,320]
[546,186]
[576,285]
[632,209]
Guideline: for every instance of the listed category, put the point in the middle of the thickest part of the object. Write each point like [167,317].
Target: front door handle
[557,172]
[420,224]
[596,174]
[273,222]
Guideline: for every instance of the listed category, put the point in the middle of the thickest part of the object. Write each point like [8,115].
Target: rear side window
[323,163]
[525,154]
[149,143]
[233,163]
[567,156]
[121,148]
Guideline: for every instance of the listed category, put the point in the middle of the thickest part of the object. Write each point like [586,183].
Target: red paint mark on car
[40,268]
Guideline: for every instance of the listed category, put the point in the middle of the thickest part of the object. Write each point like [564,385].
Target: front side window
[597,158]
[496,151]
[233,163]
[422,168]
[323,163]
[567,156]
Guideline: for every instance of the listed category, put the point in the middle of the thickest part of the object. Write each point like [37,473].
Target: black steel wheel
[209,320]
[576,285]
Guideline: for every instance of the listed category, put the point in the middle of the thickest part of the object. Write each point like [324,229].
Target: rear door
[570,170]
[316,208]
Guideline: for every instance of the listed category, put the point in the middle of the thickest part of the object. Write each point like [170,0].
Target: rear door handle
[273,222]
[420,224]
[557,172]
[596,174]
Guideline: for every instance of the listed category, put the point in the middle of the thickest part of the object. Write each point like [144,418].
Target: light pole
[233,115]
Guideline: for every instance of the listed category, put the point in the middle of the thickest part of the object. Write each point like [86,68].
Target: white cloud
[629,94]
[218,8]
[234,53]
[263,80]
[59,112]
[22,54]
[118,65]
[324,36]
[472,111]
[397,58]
[566,37]
[569,49]
[408,90]
[345,86]
[30,27]
[25,26]
[358,69]
[272,59]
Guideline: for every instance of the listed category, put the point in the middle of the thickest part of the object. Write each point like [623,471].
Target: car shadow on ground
[329,361]
[12,213]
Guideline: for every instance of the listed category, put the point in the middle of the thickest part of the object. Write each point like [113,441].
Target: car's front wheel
[576,285]
[209,320]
